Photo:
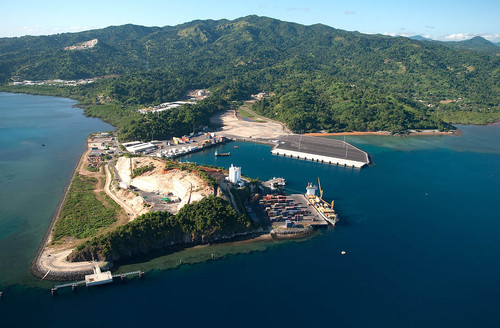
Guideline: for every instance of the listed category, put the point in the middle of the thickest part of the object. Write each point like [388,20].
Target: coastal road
[107,189]
[55,261]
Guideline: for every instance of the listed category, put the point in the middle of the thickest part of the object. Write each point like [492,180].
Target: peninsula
[131,199]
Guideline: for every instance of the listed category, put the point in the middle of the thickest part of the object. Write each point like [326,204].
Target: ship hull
[325,217]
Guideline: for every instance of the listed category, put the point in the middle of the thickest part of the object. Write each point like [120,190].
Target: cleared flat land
[235,127]
[322,146]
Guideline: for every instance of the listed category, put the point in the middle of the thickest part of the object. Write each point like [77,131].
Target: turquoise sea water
[33,176]
[420,228]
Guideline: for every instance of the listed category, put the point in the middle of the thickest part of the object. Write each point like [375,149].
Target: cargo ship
[324,209]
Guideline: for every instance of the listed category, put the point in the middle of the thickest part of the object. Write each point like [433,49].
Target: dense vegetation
[143,169]
[208,220]
[83,214]
[164,125]
[324,78]
[308,106]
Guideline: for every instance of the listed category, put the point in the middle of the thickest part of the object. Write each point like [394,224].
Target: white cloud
[397,34]
[467,36]
[451,37]
[456,37]
[350,12]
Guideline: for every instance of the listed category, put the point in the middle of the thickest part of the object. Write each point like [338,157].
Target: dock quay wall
[200,149]
[317,158]
[291,232]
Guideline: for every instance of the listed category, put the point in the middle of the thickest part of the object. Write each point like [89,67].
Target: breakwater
[315,149]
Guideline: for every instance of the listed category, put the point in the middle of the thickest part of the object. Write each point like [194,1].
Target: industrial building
[138,147]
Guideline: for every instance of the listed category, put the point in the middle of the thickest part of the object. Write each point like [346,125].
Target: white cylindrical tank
[234,174]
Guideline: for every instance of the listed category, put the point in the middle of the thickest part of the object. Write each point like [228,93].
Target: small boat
[217,154]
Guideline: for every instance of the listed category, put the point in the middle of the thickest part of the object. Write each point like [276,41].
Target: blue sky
[438,19]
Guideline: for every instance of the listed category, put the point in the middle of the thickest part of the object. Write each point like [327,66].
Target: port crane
[321,192]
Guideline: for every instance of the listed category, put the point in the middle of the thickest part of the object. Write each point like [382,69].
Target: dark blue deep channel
[420,228]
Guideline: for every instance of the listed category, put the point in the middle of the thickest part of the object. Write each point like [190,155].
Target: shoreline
[386,133]
[49,264]
[42,271]
[36,267]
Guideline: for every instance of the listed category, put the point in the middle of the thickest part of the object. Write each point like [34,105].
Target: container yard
[291,211]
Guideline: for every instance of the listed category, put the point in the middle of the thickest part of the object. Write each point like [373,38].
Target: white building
[311,189]
[99,277]
[234,174]
[140,147]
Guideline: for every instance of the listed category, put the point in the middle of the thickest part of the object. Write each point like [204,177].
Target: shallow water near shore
[420,229]
[41,139]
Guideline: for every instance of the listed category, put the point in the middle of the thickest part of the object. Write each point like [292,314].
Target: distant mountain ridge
[419,38]
[476,43]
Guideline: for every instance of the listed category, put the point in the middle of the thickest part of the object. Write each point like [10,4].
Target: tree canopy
[323,78]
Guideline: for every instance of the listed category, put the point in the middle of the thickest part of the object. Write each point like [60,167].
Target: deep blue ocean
[420,228]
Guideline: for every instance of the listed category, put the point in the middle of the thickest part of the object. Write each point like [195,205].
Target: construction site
[157,189]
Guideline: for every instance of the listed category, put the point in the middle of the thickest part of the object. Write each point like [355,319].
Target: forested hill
[323,78]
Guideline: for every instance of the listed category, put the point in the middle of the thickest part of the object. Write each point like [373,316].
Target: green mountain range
[323,78]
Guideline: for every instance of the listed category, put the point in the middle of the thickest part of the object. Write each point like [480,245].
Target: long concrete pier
[322,150]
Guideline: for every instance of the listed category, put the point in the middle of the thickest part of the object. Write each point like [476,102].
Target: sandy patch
[235,127]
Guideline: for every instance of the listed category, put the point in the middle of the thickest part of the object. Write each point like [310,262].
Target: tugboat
[324,209]
[280,182]
[277,183]
[217,154]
